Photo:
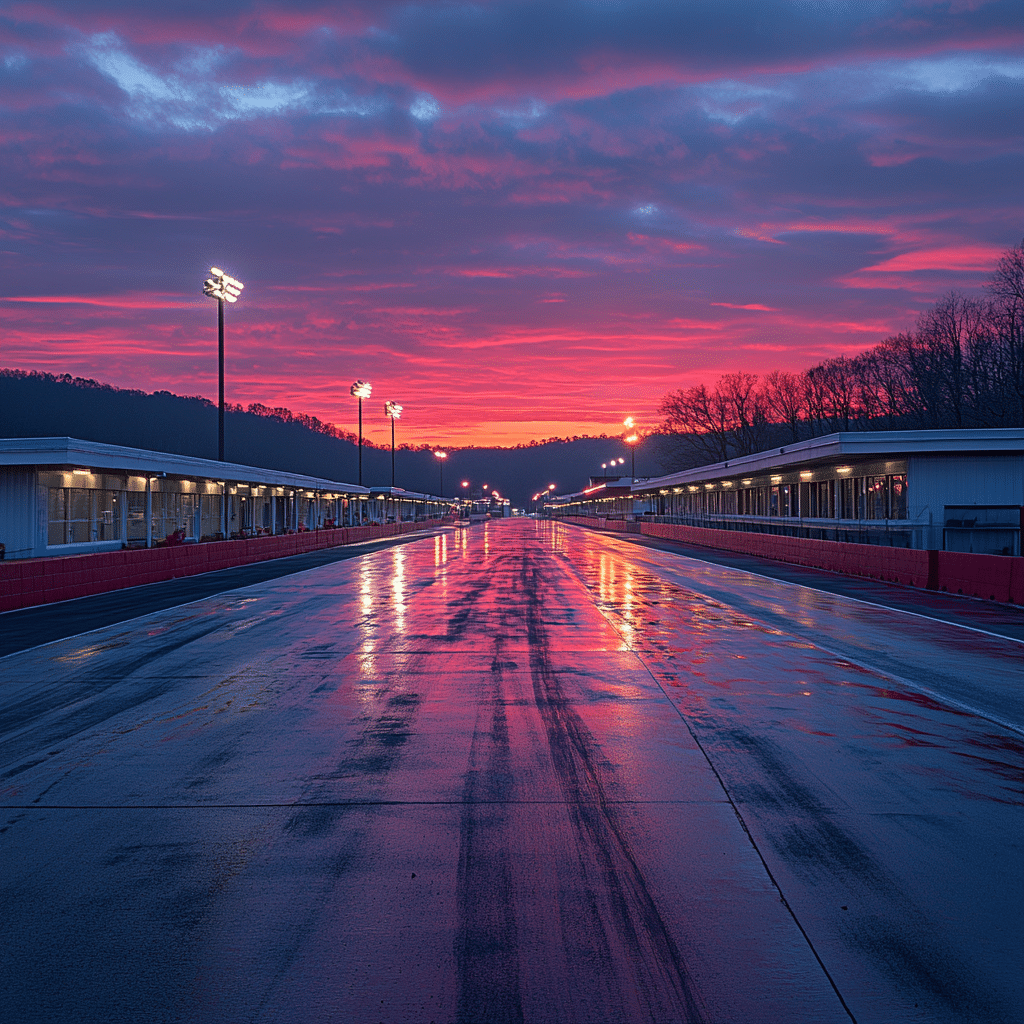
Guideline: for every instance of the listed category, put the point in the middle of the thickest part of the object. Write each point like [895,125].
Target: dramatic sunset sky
[519,220]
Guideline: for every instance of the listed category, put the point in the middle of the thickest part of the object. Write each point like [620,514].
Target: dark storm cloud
[515,41]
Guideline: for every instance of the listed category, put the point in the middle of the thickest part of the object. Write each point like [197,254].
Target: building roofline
[848,445]
[97,455]
[401,492]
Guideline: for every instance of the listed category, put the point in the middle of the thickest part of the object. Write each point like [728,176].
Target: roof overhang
[848,447]
[94,455]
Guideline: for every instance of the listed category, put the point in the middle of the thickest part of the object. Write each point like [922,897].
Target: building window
[898,491]
[80,515]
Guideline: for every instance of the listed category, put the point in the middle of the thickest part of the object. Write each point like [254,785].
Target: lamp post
[393,411]
[360,390]
[441,456]
[223,288]
[632,439]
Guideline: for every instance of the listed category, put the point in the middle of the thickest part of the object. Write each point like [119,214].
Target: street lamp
[441,456]
[223,288]
[393,411]
[360,390]
[632,439]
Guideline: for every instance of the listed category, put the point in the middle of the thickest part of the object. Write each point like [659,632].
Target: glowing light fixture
[360,390]
[393,411]
[441,456]
[224,288]
[632,439]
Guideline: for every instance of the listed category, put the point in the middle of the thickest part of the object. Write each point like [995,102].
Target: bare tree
[784,400]
[962,366]
[893,393]
[1006,289]
[700,414]
[745,409]
[944,334]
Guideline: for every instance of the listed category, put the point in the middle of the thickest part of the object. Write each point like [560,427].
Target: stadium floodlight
[360,390]
[441,456]
[393,411]
[224,288]
[632,439]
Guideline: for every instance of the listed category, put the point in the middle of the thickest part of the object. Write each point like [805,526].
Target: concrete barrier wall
[992,577]
[42,580]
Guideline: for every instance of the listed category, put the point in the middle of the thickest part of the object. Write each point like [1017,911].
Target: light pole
[441,456]
[393,411]
[632,439]
[223,288]
[360,390]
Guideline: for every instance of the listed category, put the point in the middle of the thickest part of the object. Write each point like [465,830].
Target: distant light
[843,469]
[360,389]
[632,439]
[465,483]
[392,409]
[628,422]
[551,487]
[776,479]
[806,474]
[440,455]
[81,472]
[727,483]
[746,481]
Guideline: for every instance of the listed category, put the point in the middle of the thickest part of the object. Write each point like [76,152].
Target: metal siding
[17,510]
[933,482]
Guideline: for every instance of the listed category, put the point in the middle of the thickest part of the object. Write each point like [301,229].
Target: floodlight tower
[223,288]
[360,390]
[632,439]
[441,456]
[393,411]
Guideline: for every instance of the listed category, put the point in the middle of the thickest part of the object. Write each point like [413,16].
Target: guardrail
[36,581]
[991,577]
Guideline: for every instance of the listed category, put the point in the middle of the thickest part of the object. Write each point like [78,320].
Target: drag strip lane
[471,778]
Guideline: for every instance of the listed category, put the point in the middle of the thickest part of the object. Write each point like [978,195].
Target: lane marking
[728,797]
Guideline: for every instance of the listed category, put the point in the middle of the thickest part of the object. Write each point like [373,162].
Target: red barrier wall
[992,577]
[42,580]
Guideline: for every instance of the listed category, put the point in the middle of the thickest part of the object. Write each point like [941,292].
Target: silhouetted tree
[961,366]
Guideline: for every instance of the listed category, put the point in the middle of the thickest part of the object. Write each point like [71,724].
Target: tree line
[961,366]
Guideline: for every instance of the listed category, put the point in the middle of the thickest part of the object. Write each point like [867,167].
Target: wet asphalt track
[517,772]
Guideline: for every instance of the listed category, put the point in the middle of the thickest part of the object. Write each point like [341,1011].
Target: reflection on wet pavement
[514,772]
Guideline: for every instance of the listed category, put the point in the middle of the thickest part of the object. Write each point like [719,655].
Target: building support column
[149,512]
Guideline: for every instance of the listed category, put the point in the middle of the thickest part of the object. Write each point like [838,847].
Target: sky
[518,220]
